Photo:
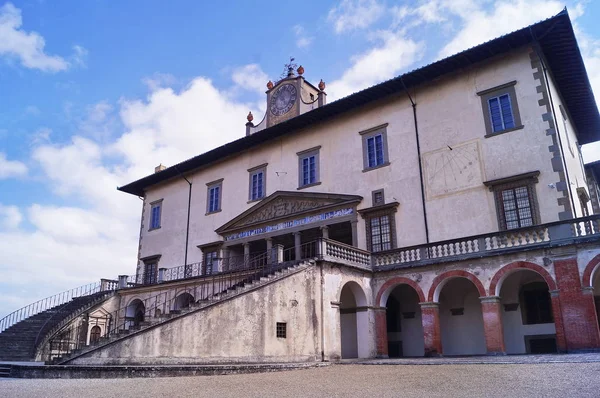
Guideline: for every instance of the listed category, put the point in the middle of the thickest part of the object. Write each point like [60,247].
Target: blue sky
[94,94]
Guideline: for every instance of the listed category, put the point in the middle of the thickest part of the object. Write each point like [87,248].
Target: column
[161,274]
[354,224]
[225,259]
[430,317]
[561,342]
[577,309]
[270,255]
[246,255]
[298,245]
[492,325]
[122,281]
[381,332]
[325,232]
[279,253]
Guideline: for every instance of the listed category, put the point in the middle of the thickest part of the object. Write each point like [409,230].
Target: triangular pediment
[285,204]
[99,313]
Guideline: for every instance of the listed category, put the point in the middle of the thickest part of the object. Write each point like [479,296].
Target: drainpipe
[414,107]
[322,313]
[560,146]
[187,231]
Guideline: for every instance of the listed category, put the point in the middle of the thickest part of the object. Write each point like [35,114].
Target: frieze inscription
[283,207]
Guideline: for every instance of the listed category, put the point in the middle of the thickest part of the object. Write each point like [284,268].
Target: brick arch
[588,274]
[508,269]
[390,284]
[441,280]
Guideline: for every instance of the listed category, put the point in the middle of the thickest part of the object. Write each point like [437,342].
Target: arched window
[95,334]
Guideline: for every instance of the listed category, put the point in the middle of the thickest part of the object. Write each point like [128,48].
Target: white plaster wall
[449,113]
[349,337]
[241,329]
[512,321]
[570,151]
[461,334]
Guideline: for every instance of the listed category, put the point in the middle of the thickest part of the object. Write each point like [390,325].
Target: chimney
[159,168]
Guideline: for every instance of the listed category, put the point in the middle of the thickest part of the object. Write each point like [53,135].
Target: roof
[556,40]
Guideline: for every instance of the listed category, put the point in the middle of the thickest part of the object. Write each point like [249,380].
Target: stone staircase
[247,285]
[18,342]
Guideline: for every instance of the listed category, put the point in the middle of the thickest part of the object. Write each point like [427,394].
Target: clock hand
[449,147]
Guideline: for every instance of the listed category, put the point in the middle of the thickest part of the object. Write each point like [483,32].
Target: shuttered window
[501,114]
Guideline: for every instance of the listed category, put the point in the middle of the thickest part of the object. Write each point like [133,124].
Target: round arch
[441,280]
[590,271]
[504,272]
[183,300]
[389,285]
[357,291]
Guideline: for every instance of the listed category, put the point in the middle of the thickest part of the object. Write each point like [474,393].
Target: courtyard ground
[580,379]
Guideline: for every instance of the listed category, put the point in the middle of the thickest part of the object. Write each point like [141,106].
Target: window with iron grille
[536,306]
[213,201]
[257,183]
[375,152]
[155,214]
[516,207]
[500,109]
[281,330]
[150,273]
[516,201]
[381,233]
[378,197]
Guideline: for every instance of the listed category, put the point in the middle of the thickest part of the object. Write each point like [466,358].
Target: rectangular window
[155,213]
[150,273]
[213,201]
[517,207]
[258,183]
[516,201]
[500,109]
[378,197]
[210,262]
[375,152]
[501,114]
[381,233]
[308,167]
[281,330]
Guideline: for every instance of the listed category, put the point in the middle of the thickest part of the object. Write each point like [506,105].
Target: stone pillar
[381,332]
[298,245]
[161,274]
[577,310]
[354,224]
[430,317]
[325,232]
[225,259]
[279,253]
[561,343]
[246,255]
[122,281]
[492,325]
[269,250]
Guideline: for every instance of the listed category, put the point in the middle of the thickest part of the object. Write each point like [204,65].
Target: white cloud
[159,80]
[303,40]
[40,136]
[10,217]
[249,77]
[377,64]
[27,47]
[11,168]
[355,14]
[481,25]
[79,56]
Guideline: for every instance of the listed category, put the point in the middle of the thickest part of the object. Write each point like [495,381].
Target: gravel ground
[517,380]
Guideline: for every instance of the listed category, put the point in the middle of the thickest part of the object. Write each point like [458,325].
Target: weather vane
[288,69]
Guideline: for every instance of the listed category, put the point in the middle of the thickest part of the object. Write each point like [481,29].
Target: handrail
[207,289]
[46,304]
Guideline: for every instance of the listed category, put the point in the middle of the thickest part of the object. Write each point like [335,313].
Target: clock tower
[289,97]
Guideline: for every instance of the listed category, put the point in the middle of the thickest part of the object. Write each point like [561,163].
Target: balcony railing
[494,243]
[579,229]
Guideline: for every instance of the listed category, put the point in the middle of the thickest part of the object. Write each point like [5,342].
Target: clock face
[283,99]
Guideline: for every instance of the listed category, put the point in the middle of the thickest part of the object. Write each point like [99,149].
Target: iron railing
[48,303]
[202,290]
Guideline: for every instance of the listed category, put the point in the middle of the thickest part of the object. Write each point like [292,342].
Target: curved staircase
[18,342]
